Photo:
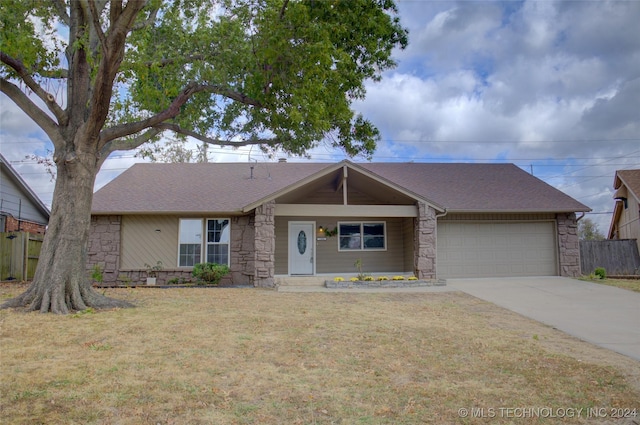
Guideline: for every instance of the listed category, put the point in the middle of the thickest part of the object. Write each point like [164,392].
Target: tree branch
[283,9]
[113,47]
[127,144]
[95,19]
[61,8]
[220,142]
[24,74]
[33,111]
[173,110]
[150,20]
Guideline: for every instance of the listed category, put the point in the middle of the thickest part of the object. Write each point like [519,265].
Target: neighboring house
[273,220]
[625,222]
[20,208]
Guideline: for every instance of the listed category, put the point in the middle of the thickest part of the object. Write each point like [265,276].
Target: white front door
[301,248]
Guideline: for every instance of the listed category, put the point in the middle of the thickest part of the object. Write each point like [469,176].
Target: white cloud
[552,86]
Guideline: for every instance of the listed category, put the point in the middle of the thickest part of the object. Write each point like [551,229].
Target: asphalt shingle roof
[228,187]
[631,179]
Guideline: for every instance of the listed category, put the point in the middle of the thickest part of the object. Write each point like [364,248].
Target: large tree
[588,230]
[281,74]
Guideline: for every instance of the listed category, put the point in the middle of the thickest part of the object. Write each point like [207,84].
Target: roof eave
[517,211]
[171,212]
[628,187]
[336,167]
[617,212]
[30,193]
[329,169]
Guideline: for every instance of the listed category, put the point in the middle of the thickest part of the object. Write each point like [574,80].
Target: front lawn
[250,356]
[631,284]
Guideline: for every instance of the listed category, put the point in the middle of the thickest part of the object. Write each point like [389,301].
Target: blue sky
[552,86]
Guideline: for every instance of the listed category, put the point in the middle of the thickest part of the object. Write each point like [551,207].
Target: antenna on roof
[251,166]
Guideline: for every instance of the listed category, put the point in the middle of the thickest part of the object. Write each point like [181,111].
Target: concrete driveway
[599,314]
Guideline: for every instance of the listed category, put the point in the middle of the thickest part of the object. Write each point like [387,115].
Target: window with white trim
[194,237]
[190,242]
[359,236]
[218,241]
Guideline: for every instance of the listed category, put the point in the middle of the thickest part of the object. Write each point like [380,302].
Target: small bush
[210,273]
[398,278]
[600,273]
[338,279]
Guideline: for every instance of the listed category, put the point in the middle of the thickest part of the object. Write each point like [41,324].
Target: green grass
[630,284]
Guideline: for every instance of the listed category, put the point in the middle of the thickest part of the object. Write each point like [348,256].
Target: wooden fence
[619,257]
[19,253]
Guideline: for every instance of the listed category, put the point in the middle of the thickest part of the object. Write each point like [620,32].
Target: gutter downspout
[581,217]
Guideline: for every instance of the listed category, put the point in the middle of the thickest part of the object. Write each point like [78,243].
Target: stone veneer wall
[104,250]
[265,245]
[568,245]
[424,240]
[242,255]
[104,246]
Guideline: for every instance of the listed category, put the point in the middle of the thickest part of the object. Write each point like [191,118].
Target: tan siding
[328,195]
[629,222]
[330,260]
[324,195]
[141,243]
[282,246]
[407,231]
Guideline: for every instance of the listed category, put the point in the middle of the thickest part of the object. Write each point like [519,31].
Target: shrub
[354,279]
[600,273]
[398,278]
[412,278]
[96,273]
[178,281]
[210,273]
[338,279]
[383,278]
[368,278]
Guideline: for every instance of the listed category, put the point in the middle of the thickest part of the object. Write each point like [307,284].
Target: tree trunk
[61,283]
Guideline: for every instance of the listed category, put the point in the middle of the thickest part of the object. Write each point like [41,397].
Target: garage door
[496,249]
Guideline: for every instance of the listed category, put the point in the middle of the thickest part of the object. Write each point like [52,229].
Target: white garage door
[496,249]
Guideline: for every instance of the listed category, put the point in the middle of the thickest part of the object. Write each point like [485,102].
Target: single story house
[20,208]
[270,221]
[625,221]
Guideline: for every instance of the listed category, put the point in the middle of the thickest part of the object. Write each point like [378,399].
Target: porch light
[320,232]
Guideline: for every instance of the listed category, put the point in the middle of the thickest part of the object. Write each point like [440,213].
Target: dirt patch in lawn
[248,356]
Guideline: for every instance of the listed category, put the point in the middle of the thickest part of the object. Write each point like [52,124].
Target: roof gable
[235,188]
[630,179]
[343,174]
[13,189]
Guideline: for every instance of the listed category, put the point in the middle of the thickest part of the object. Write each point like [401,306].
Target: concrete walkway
[599,314]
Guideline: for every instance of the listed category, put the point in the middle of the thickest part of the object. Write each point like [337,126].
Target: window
[218,241]
[190,242]
[215,241]
[362,236]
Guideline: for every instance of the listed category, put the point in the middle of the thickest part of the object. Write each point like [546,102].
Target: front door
[301,248]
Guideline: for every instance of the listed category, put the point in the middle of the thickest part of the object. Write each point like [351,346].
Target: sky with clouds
[552,86]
